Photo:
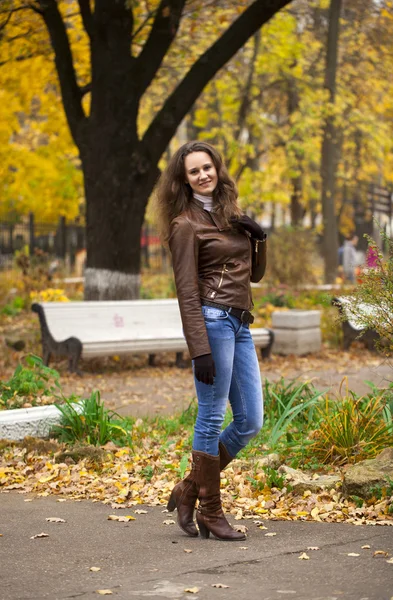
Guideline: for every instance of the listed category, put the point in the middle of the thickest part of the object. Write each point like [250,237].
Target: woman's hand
[249,225]
[204,369]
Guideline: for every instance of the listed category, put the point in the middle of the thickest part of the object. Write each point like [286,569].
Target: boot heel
[171,502]
[204,531]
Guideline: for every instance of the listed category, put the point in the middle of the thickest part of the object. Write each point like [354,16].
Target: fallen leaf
[390,561]
[220,585]
[313,548]
[380,553]
[169,522]
[139,511]
[241,528]
[55,520]
[366,547]
[304,556]
[187,550]
[39,535]
[243,548]
[193,590]
[262,527]
[353,554]
[271,534]
[95,569]
[28,500]
[121,519]
[61,500]
[104,592]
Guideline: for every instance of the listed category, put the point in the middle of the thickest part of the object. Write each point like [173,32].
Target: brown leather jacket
[213,262]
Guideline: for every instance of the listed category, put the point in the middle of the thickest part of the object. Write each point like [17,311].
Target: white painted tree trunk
[102,284]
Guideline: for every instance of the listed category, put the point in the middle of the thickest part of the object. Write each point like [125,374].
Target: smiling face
[201,173]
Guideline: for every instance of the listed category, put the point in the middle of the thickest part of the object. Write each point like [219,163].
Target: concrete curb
[37,421]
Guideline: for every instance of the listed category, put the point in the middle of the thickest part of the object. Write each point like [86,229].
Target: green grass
[90,422]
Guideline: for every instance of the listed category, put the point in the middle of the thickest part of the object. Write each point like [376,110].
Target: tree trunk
[115,209]
[329,151]
[296,208]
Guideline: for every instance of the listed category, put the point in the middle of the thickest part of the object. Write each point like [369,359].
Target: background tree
[127,43]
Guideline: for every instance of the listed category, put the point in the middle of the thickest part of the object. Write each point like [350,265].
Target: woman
[216,251]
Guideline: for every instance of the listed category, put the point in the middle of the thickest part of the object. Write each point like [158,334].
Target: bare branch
[162,34]
[86,15]
[149,16]
[70,91]
[165,123]
[85,89]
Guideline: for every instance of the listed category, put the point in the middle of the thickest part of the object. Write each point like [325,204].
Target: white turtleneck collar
[207,201]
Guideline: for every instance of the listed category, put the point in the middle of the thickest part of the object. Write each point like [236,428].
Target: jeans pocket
[211,313]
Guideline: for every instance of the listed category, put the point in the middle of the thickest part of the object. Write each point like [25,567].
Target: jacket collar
[217,219]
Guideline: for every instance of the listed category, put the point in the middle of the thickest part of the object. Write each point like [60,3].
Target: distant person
[349,258]
[340,255]
[216,252]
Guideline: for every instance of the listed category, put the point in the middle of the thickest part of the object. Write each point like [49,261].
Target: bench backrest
[113,320]
[355,320]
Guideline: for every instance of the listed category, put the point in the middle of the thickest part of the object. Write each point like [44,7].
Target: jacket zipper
[223,270]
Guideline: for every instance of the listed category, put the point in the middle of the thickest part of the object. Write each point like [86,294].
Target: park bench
[352,326]
[90,329]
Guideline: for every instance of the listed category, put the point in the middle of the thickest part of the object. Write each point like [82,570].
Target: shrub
[292,257]
[34,272]
[352,429]
[375,290]
[30,384]
[14,307]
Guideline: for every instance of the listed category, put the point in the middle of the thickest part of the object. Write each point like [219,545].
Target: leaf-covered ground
[147,473]
[125,478]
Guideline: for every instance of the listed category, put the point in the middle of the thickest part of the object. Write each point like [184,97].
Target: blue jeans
[237,378]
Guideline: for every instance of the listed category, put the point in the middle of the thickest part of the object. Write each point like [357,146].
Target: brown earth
[132,388]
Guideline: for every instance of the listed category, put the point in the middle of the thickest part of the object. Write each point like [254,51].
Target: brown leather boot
[210,516]
[225,457]
[185,493]
[183,497]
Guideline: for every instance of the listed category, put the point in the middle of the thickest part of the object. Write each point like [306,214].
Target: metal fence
[66,242]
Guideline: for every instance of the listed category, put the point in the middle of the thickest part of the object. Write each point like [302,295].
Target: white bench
[352,324]
[107,328]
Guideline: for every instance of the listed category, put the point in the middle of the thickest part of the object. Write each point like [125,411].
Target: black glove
[249,225]
[204,369]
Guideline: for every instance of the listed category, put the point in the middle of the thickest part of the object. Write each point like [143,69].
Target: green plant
[289,414]
[383,491]
[278,395]
[274,478]
[183,465]
[147,472]
[90,422]
[14,307]
[352,428]
[357,500]
[29,383]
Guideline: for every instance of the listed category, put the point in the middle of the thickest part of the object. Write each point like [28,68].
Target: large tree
[120,166]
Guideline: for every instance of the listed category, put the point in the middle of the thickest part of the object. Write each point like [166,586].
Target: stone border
[15,424]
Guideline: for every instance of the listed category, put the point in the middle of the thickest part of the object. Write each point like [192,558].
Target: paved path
[146,559]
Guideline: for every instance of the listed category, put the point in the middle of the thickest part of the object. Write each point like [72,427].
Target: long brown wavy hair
[173,194]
